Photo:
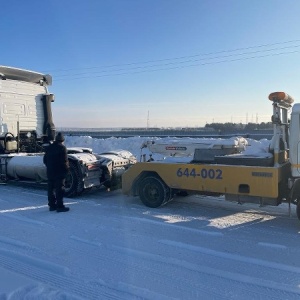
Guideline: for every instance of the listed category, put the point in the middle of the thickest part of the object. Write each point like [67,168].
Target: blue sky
[166,63]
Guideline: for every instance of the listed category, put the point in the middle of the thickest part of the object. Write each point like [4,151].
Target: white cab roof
[24,75]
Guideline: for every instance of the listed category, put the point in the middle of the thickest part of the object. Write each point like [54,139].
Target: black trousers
[56,190]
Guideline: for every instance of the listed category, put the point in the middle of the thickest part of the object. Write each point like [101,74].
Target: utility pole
[148,120]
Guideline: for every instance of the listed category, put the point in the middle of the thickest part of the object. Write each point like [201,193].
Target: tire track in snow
[42,264]
[275,246]
[91,290]
[161,275]
[134,219]
[16,243]
[294,271]
[236,257]
[24,219]
[127,291]
[293,292]
[180,284]
[53,275]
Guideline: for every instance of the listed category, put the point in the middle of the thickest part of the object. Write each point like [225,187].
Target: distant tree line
[238,126]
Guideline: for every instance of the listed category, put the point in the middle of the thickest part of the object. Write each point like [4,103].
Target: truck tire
[298,208]
[73,184]
[153,192]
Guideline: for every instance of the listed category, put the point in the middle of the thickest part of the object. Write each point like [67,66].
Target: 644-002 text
[203,173]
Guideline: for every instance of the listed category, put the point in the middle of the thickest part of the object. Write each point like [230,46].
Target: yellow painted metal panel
[227,179]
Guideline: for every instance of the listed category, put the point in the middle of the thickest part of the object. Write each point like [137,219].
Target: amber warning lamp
[281,97]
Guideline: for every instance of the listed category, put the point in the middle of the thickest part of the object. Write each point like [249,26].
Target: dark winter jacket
[56,161]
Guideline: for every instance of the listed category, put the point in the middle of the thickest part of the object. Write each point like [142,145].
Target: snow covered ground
[110,246]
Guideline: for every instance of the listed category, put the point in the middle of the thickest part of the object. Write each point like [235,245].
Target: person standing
[56,161]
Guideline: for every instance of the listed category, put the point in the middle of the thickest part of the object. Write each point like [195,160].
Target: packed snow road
[110,246]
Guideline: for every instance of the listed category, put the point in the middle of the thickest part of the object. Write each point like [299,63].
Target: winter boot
[62,209]
[52,208]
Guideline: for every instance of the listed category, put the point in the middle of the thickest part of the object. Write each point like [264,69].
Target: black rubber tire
[153,192]
[74,184]
[298,208]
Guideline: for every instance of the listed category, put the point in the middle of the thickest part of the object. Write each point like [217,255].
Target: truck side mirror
[50,97]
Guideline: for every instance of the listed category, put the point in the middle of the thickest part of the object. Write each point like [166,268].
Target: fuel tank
[26,166]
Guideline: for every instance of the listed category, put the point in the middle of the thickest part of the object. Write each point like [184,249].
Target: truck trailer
[26,128]
[269,179]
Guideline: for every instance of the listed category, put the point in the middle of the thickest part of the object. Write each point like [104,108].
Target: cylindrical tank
[27,166]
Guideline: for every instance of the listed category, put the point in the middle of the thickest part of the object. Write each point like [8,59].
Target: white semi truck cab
[25,110]
[26,128]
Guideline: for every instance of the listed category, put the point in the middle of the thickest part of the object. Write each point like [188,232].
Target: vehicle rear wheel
[298,208]
[153,192]
[73,184]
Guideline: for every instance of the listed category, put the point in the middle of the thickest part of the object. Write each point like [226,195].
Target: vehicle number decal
[203,173]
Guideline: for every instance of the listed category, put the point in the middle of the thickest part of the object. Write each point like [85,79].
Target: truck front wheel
[153,192]
[73,185]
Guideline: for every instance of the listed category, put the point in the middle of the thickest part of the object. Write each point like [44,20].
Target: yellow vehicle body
[264,182]
[241,178]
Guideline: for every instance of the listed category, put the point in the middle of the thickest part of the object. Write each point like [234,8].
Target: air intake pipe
[48,127]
